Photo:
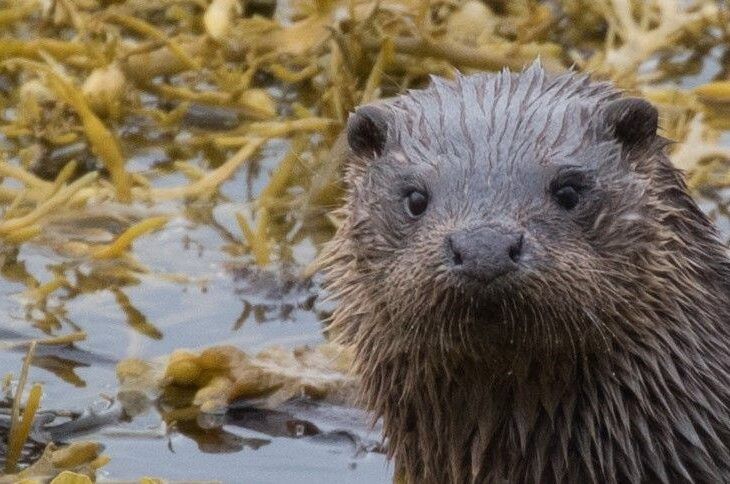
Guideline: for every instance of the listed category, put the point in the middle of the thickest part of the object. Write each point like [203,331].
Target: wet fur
[608,361]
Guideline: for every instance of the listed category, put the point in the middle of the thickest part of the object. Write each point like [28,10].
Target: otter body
[531,293]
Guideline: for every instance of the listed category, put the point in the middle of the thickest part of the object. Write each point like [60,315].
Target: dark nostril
[456,258]
[515,250]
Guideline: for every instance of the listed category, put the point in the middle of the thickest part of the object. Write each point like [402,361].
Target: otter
[531,293]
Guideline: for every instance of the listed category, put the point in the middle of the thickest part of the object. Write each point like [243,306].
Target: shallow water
[199,292]
[224,301]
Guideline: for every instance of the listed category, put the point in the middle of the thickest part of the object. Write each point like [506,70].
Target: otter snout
[484,253]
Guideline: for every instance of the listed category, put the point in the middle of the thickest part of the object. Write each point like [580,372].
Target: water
[195,294]
[198,292]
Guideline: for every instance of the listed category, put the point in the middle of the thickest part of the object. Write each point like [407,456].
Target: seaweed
[129,119]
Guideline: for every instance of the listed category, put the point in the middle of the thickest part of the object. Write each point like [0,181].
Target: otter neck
[542,420]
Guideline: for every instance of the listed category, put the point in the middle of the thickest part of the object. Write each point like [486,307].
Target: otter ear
[631,120]
[367,131]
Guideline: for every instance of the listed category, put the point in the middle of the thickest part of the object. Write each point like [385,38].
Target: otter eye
[416,203]
[567,197]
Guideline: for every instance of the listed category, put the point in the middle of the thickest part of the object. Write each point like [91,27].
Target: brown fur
[606,361]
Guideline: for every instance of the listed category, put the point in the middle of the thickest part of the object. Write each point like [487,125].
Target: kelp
[56,462]
[250,97]
[340,53]
[124,241]
[19,429]
[73,463]
[190,383]
[637,30]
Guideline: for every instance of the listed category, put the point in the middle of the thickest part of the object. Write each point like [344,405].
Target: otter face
[501,191]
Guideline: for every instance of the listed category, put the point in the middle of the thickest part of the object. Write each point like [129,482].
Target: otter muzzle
[484,253]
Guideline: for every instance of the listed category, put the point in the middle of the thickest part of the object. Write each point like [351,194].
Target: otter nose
[484,253]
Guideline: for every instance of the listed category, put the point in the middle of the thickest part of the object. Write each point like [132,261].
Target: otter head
[495,212]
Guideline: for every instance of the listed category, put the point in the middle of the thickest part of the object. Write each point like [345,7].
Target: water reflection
[135,318]
[185,286]
[217,441]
